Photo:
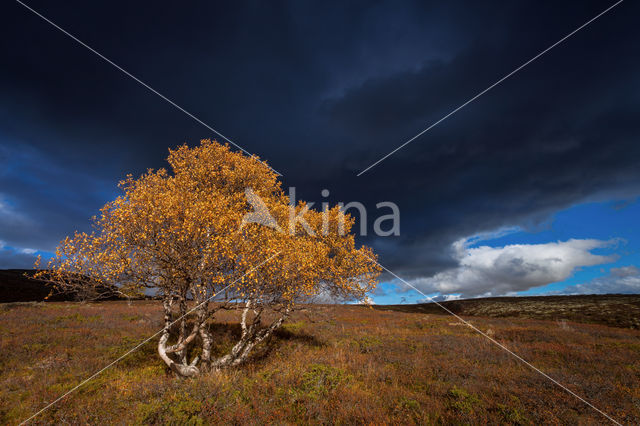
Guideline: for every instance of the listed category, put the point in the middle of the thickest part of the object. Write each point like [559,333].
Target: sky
[530,189]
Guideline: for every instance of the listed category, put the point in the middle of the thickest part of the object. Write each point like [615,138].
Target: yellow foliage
[180,231]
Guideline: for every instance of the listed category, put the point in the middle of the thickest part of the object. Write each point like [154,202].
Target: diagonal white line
[500,345]
[491,87]
[140,81]
[121,357]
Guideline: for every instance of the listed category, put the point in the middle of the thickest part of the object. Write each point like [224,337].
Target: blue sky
[611,220]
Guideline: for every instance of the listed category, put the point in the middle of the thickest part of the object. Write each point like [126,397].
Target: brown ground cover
[330,364]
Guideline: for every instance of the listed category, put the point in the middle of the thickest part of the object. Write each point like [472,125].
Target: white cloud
[493,271]
[619,280]
[452,297]
[440,298]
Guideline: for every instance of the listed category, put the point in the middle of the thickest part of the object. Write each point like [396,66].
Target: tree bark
[252,335]
[181,369]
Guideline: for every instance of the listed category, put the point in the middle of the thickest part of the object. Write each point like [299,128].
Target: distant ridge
[16,285]
[616,310]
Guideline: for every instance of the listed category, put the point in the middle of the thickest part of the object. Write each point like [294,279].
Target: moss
[462,401]
[409,409]
[293,327]
[35,347]
[132,318]
[319,380]
[367,344]
[512,415]
[76,317]
[408,404]
[179,410]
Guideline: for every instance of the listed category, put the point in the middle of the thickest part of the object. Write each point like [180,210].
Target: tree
[182,236]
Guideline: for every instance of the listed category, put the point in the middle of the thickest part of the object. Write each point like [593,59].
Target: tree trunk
[181,369]
[252,335]
[182,354]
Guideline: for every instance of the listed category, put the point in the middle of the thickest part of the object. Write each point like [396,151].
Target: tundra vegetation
[328,364]
[181,235]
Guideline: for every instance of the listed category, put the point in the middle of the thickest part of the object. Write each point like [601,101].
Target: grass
[330,364]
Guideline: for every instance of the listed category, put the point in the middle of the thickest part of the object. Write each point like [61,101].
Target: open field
[330,364]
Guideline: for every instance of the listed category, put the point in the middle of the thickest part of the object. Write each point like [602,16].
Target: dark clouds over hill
[322,91]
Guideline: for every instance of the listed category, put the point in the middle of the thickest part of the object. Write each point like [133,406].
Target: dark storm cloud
[39,194]
[562,131]
[16,260]
[321,91]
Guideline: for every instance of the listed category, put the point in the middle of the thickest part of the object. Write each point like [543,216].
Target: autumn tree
[181,234]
